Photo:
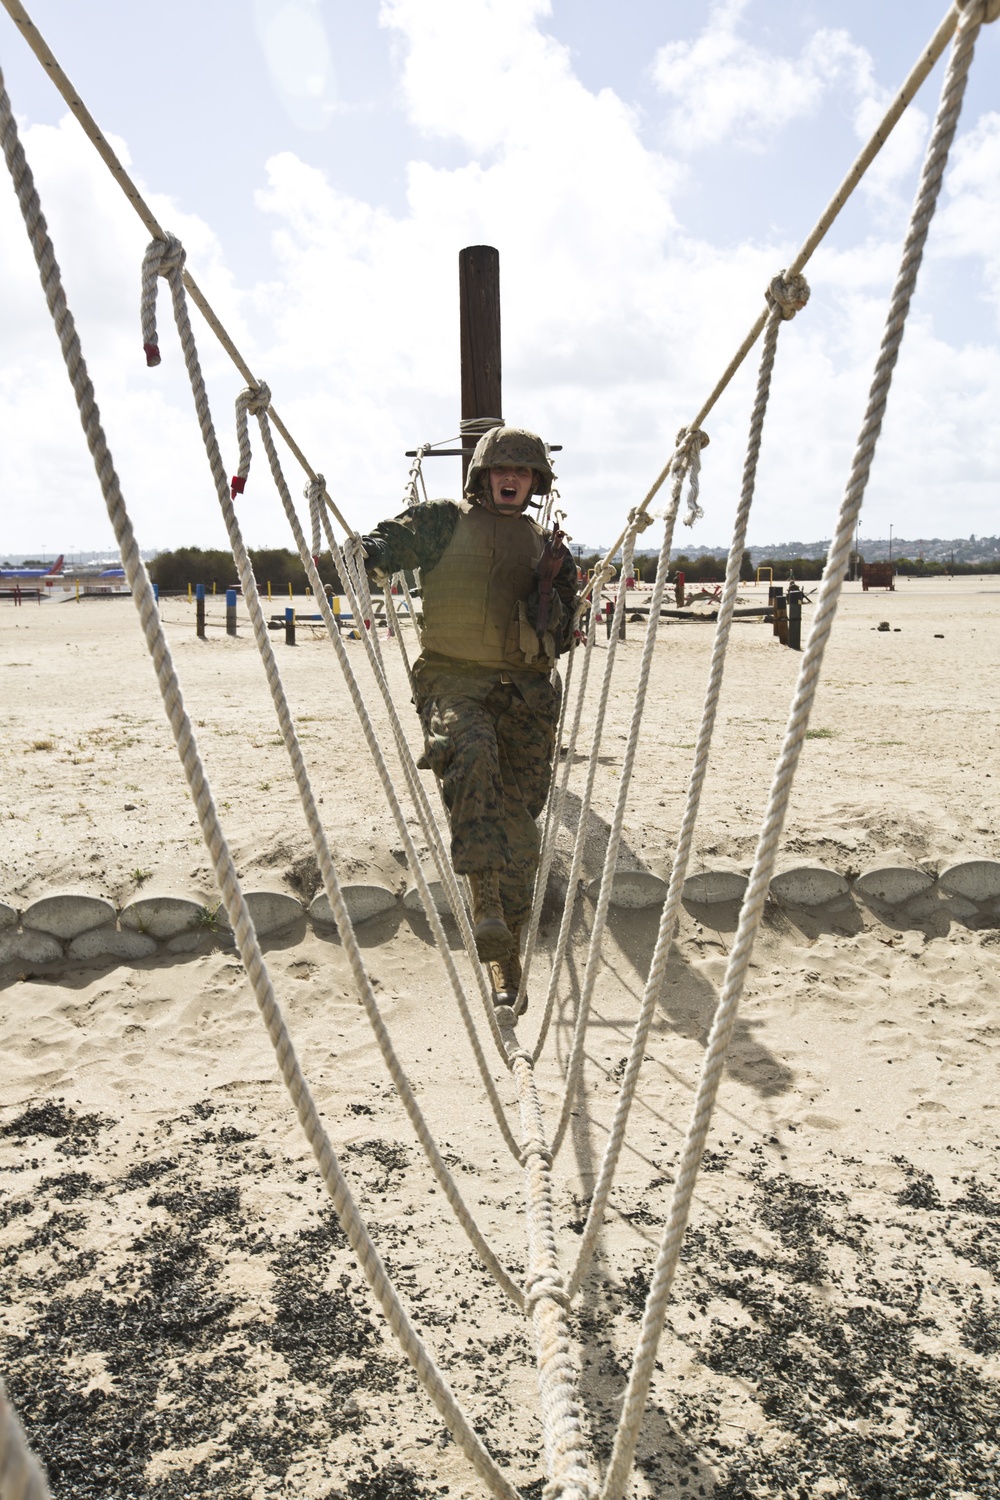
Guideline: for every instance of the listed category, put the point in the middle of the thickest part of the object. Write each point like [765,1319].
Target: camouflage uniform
[489,731]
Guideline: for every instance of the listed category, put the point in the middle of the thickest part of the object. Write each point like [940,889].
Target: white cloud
[967,224]
[724,89]
[617,321]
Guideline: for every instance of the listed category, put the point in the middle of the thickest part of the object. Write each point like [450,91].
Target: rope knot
[258,398]
[640,519]
[547,1283]
[162,257]
[537,1149]
[686,464]
[314,492]
[990,10]
[169,254]
[686,437]
[790,293]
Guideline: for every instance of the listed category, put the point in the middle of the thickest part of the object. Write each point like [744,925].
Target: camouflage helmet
[510,445]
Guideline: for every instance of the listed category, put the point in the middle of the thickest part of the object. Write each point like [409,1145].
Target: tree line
[279,567]
[214,567]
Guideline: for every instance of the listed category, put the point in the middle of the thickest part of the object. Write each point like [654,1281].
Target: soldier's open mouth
[509,491]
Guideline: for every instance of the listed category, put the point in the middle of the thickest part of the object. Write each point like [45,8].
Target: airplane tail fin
[57,566]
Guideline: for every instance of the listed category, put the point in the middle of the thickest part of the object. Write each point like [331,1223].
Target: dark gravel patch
[851,1348]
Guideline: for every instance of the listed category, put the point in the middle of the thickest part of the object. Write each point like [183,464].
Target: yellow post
[290,594]
[189,593]
[213,585]
[78,591]
[336,604]
[269,591]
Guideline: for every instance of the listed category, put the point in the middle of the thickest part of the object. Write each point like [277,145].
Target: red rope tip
[152,353]
[239,484]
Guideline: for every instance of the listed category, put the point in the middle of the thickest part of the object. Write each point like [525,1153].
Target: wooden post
[479,316]
[289,627]
[795,619]
[199,610]
[230,611]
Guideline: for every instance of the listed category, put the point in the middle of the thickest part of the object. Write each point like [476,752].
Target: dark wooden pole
[479,313]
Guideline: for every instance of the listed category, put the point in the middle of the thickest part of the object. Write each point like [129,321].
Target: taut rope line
[952,91]
[357,700]
[225,873]
[167,260]
[546,1295]
[787,296]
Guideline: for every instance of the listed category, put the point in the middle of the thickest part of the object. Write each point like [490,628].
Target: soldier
[498,605]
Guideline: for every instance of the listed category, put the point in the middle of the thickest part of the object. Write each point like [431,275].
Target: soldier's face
[510,486]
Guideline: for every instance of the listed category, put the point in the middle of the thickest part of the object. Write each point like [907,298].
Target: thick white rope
[371,739]
[351,569]
[764,860]
[558,1366]
[100,142]
[229,886]
[171,257]
[21,1475]
[314,495]
[921,68]
[688,465]
[576,863]
[555,802]
[787,296]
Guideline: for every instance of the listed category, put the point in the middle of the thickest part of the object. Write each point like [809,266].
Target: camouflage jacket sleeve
[565,588]
[416,539]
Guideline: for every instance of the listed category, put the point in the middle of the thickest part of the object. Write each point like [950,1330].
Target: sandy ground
[183,1316]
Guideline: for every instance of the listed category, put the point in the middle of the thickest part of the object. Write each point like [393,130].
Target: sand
[183,1316]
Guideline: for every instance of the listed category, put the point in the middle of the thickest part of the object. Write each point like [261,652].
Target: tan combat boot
[506,975]
[493,939]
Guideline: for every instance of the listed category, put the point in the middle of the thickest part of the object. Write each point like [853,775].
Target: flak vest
[473,599]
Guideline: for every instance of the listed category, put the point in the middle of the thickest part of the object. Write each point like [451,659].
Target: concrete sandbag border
[72,925]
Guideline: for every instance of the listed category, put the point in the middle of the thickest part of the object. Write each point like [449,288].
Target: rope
[373,744]
[314,494]
[826,606]
[787,296]
[558,1368]
[21,1475]
[379,759]
[232,895]
[546,1295]
[688,464]
[356,583]
[921,68]
[576,864]
[554,806]
[47,58]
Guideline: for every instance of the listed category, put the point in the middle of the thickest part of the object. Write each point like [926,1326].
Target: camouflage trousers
[490,742]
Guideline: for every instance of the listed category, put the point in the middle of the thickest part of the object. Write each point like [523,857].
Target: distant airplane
[32,576]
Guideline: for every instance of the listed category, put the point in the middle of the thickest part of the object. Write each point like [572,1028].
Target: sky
[643,170]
